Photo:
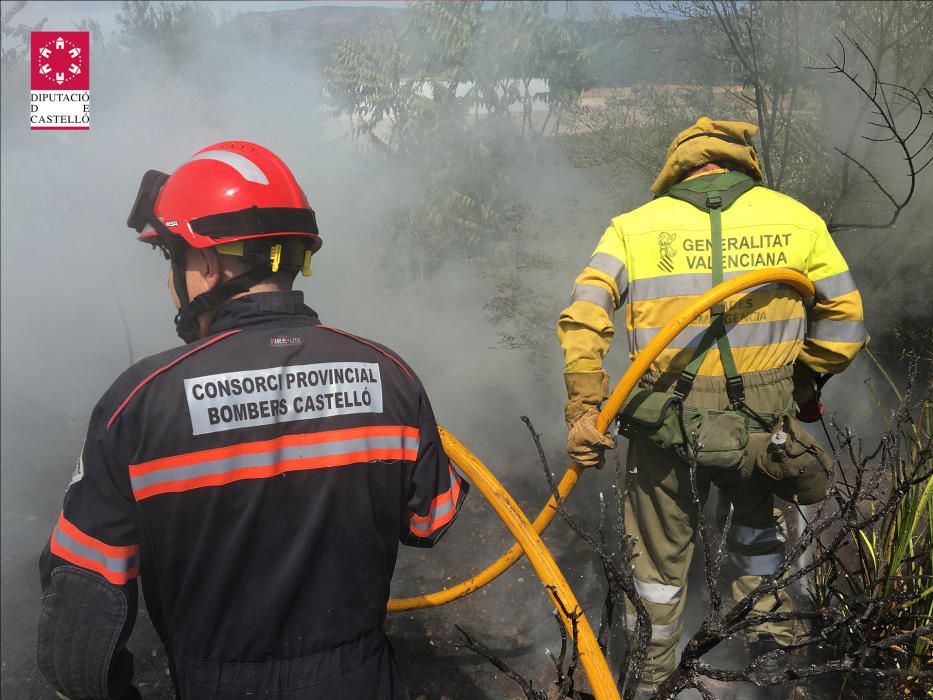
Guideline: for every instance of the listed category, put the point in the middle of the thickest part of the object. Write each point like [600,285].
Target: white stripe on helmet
[243,165]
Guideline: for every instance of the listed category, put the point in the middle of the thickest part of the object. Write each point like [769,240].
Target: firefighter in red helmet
[257,480]
[234,198]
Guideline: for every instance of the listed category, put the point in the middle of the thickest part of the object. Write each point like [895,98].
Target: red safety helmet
[235,178]
[238,197]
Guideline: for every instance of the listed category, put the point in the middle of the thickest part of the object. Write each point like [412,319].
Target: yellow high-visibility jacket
[656,260]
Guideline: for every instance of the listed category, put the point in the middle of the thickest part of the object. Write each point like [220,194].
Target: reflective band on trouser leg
[758,552]
[665,606]
[745,535]
[658,592]
[756,564]
[659,632]
[664,535]
[664,637]
[595,295]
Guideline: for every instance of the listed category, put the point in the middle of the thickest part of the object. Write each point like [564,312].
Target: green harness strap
[714,195]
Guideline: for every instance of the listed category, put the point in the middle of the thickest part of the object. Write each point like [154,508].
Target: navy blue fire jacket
[258,482]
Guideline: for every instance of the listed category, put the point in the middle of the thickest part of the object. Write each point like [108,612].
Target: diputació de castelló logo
[60,80]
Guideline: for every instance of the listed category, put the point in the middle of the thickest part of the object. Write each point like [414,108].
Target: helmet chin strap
[186,320]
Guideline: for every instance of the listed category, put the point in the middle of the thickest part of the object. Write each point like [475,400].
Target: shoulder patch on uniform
[78,472]
[246,399]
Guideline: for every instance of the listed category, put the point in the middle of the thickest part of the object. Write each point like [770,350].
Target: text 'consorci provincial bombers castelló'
[278,394]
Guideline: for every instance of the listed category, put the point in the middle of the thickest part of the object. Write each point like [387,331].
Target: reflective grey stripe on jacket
[277,456]
[690,284]
[594,294]
[834,286]
[613,267]
[119,565]
[740,334]
[838,331]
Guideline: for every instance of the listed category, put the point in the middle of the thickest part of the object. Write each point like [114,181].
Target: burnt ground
[511,616]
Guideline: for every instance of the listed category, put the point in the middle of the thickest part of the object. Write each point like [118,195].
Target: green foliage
[15,38]
[14,52]
[448,102]
[890,585]
[173,31]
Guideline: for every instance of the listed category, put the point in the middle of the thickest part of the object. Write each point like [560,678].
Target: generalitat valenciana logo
[60,80]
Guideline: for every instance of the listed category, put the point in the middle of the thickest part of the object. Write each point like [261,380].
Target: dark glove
[808,385]
[810,412]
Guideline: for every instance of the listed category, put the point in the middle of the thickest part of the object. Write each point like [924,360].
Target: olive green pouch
[654,415]
[800,469]
[721,437]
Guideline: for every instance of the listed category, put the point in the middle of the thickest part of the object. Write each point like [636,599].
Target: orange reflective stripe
[261,460]
[117,552]
[442,510]
[441,500]
[247,448]
[117,564]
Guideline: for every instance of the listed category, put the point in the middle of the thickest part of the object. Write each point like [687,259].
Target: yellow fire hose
[527,534]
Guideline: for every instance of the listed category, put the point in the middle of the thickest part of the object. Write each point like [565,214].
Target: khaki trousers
[661,513]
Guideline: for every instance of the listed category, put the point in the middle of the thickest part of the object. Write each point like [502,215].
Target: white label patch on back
[78,473]
[278,394]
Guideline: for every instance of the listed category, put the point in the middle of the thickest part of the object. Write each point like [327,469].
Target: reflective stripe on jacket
[656,260]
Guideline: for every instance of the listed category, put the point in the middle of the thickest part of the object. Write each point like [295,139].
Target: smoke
[80,296]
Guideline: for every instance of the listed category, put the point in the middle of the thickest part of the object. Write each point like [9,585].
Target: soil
[511,617]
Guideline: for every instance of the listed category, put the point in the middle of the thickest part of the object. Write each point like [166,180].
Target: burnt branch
[526,685]
[899,117]
[617,568]
[867,582]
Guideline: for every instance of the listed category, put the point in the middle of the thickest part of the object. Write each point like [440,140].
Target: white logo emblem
[78,473]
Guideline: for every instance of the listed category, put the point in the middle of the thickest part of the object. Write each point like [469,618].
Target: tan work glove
[585,443]
[584,390]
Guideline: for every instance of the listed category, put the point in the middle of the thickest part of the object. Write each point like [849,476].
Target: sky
[99,300]
[64,14]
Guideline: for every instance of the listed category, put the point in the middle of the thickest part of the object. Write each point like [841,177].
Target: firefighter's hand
[805,384]
[810,412]
[585,443]
[807,388]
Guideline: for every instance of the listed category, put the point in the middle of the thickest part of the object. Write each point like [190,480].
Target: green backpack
[739,438]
